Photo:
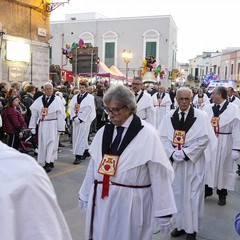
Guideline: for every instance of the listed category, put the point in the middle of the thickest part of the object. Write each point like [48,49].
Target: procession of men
[152,167]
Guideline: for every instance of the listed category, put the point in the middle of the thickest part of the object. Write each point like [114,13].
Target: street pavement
[67,178]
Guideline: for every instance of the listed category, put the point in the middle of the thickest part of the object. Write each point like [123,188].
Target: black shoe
[176,233]
[85,154]
[51,165]
[77,161]
[238,171]
[222,201]
[47,167]
[208,191]
[191,236]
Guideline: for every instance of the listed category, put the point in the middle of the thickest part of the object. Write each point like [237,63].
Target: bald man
[49,113]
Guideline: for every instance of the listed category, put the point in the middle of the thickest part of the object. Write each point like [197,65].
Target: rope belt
[96,182]
[49,119]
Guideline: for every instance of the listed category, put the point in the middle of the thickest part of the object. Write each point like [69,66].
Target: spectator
[13,122]
[28,100]
[101,115]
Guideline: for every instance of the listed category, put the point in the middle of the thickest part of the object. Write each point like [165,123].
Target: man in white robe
[162,103]
[225,119]
[200,99]
[29,207]
[232,98]
[82,113]
[123,205]
[185,133]
[145,107]
[49,113]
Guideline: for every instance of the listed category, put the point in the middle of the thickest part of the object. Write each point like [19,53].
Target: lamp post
[127,56]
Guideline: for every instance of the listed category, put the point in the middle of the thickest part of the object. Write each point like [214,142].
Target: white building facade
[155,35]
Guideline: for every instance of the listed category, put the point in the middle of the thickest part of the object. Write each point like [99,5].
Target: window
[151,44]
[109,53]
[225,74]
[151,49]
[231,69]
[87,37]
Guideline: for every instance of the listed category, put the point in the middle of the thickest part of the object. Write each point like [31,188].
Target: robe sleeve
[84,113]
[196,148]
[167,145]
[235,134]
[87,183]
[163,198]
[34,119]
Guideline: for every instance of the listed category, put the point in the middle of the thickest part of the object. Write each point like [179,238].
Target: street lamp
[127,56]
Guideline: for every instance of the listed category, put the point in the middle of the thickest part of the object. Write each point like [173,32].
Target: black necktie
[135,94]
[117,139]
[182,118]
[217,110]
[229,99]
[47,98]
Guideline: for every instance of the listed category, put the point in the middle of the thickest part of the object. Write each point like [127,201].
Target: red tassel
[105,187]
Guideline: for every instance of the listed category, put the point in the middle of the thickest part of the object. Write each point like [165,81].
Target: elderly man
[232,98]
[49,113]
[185,134]
[126,186]
[82,113]
[225,119]
[29,207]
[145,107]
[162,103]
[200,99]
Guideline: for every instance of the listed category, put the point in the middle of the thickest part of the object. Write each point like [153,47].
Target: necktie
[117,139]
[113,150]
[182,118]
[217,110]
[47,99]
[229,99]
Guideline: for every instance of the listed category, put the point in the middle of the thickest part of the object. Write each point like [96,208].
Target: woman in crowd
[13,122]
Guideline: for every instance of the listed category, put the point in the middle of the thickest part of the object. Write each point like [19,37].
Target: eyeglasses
[114,111]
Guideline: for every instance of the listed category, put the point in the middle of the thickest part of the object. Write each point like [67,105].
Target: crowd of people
[192,139]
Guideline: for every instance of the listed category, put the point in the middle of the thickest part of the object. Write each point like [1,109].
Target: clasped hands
[178,156]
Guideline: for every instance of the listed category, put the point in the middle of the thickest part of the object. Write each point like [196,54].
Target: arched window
[87,37]
[151,43]
[109,53]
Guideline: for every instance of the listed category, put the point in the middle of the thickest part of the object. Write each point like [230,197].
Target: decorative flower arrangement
[210,76]
[68,51]
[149,64]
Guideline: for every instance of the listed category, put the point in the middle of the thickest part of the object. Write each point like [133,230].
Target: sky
[203,25]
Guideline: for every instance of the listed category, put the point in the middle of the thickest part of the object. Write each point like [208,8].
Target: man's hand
[177,156]
[235,155]
[76,120]
[33,131]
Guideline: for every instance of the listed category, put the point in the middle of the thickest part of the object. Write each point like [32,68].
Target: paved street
[67,179]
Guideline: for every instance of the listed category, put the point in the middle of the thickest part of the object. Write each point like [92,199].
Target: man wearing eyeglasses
[82,113]
[186,133]
[126,186]
[145,107]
